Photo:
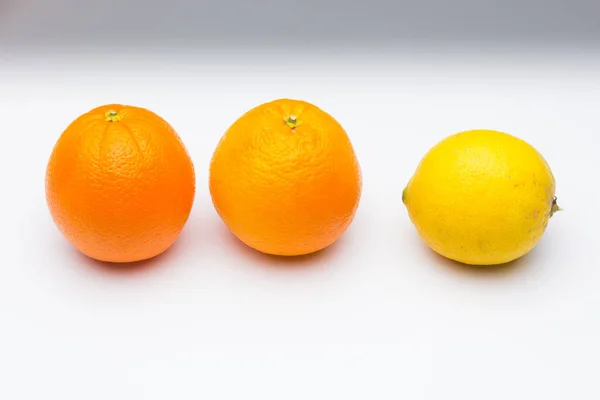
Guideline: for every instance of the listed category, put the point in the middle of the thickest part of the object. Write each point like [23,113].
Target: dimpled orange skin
[283,186]
[120,186]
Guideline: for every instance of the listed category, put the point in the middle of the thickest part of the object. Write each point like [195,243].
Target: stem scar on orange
[284,178]
[120,184]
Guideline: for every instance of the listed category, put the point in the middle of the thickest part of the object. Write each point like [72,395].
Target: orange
[284,178]
[120,184]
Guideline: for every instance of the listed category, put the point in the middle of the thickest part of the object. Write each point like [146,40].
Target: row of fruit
[285,180]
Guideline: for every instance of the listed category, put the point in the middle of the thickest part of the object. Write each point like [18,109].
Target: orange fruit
[284,178]
[120,184]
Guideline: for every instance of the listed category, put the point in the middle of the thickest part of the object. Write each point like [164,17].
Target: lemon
[481,197]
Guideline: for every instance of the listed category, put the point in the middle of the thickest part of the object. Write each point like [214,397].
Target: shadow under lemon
[504,269]
[445,264]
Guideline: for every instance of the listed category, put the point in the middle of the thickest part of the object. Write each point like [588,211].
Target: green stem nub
[554,208]
[292,121]
[112,116]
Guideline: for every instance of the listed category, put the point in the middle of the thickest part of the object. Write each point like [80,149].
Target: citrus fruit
[284,178]
[120,184]
[481,197]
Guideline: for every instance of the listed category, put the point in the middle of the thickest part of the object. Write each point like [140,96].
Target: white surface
[376,316]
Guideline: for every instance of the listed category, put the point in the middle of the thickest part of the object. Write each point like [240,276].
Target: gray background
[315,23]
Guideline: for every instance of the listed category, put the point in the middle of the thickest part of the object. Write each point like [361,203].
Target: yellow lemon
[481,197]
